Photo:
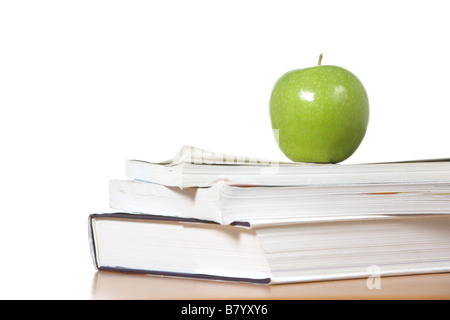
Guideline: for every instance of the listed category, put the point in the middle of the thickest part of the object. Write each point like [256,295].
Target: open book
[194,167]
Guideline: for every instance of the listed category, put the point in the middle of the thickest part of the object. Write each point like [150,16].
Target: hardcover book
[271,253]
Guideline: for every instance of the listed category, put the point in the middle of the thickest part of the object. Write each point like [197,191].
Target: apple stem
[320,59]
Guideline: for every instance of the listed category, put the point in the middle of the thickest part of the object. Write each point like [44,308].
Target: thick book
[225,204]
[194,167]
[271,253]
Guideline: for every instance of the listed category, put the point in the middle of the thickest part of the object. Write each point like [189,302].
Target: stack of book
[216,216]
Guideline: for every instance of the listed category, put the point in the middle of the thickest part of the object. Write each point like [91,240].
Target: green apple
[319,114]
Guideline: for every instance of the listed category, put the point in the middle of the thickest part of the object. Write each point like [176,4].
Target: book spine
[91,237]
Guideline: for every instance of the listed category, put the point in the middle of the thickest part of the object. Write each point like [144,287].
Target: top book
[194,167]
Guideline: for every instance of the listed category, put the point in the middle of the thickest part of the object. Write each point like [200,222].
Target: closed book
[271,253]
[195,167]
[225,204]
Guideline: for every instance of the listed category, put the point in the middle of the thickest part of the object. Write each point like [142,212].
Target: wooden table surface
[120,286]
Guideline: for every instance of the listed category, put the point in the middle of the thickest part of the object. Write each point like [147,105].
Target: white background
[85,85]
